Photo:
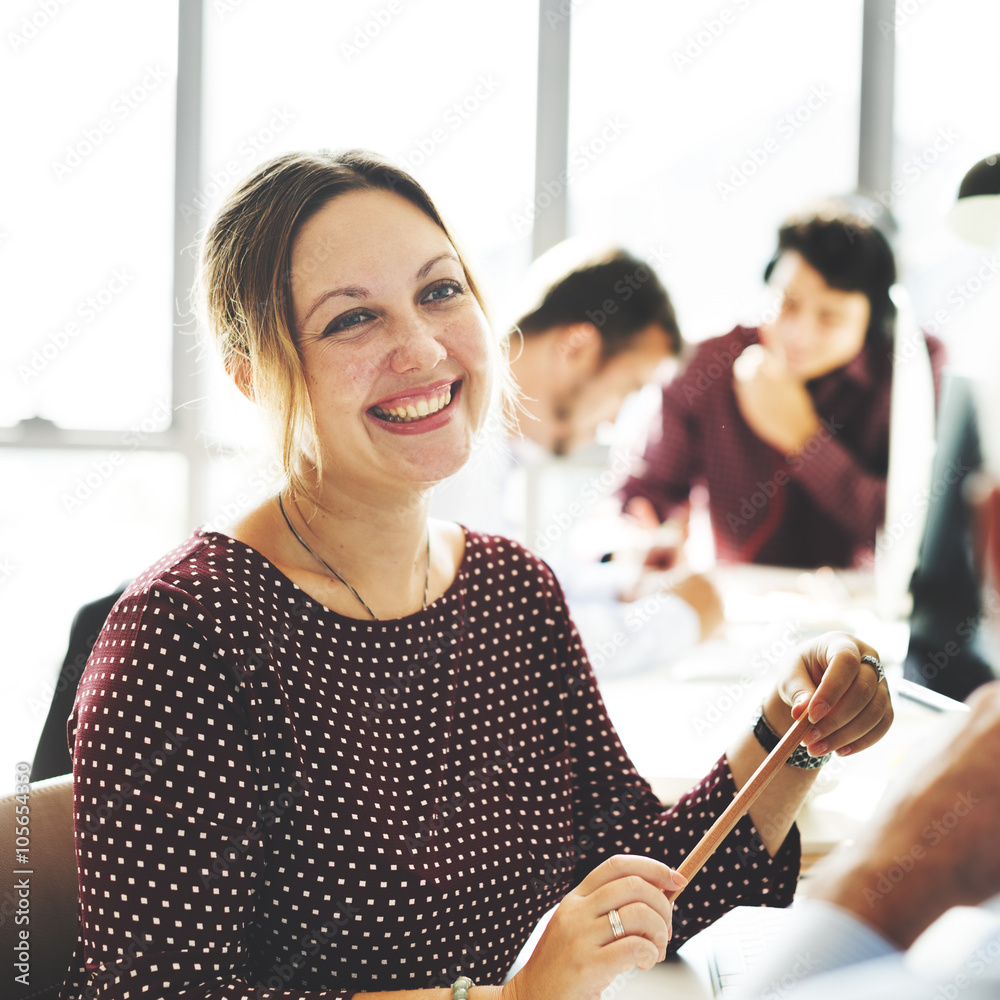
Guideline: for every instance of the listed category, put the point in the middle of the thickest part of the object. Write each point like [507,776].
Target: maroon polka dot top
[275,800]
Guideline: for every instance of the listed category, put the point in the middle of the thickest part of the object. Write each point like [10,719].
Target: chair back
[42,902]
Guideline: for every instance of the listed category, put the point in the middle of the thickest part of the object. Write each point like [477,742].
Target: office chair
[52,756]
[52,889]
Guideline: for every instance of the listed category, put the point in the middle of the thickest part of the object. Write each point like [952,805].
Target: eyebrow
[357,292]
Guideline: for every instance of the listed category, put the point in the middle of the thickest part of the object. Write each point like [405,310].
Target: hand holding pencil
[834,699]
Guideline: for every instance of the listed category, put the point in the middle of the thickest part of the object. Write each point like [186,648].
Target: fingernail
[845,751]
[811,736]
[679,880]
[817,710]
[819,749]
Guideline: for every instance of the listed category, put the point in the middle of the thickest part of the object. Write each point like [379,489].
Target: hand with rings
[840,681]
[616,918]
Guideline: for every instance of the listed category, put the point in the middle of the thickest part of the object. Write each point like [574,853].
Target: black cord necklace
[330,569]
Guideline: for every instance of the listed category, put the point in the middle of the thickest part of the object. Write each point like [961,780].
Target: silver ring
[616,924]
[877,664]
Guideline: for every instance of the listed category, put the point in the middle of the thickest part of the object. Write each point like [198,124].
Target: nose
[417,347]
[794,331]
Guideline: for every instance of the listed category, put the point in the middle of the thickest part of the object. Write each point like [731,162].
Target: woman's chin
[434,466]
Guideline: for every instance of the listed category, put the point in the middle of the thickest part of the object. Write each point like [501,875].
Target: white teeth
[415,411]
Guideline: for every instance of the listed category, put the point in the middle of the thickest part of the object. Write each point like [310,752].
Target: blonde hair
[243,289]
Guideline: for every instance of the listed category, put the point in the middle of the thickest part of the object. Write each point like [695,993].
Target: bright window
[695,128]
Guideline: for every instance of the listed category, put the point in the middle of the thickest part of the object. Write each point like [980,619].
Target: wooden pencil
[744,798]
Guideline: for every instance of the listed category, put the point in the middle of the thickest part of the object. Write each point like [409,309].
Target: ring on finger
[877,664]
[616,924]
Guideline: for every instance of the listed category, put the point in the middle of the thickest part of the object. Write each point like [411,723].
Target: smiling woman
[395,338]
[391,754]
[295,235]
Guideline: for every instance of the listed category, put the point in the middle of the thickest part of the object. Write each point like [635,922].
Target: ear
[239,371]
[580,345]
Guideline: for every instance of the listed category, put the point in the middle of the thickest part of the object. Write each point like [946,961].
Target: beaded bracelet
[769,739]
[460,988]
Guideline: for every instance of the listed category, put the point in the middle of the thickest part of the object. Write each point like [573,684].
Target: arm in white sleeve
[818,938]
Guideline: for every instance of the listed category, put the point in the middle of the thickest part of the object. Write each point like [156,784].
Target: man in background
[598,331]
[788,423]
[597,326]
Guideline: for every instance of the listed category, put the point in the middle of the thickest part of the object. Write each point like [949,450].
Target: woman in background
[346,748]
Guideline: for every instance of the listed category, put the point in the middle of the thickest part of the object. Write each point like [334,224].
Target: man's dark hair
[616,292]
[850,253]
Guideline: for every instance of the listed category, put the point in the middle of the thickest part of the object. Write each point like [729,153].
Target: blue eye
[348,321]
[447,290]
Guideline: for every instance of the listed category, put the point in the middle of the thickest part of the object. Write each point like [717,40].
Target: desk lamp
[976,214]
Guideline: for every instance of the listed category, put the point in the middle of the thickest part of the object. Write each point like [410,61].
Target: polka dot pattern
[275,800]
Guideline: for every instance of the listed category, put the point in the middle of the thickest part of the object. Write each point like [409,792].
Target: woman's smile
[416,405]
[440,407]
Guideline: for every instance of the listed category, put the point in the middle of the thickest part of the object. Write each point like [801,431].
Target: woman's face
[819,328]
[394,345]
